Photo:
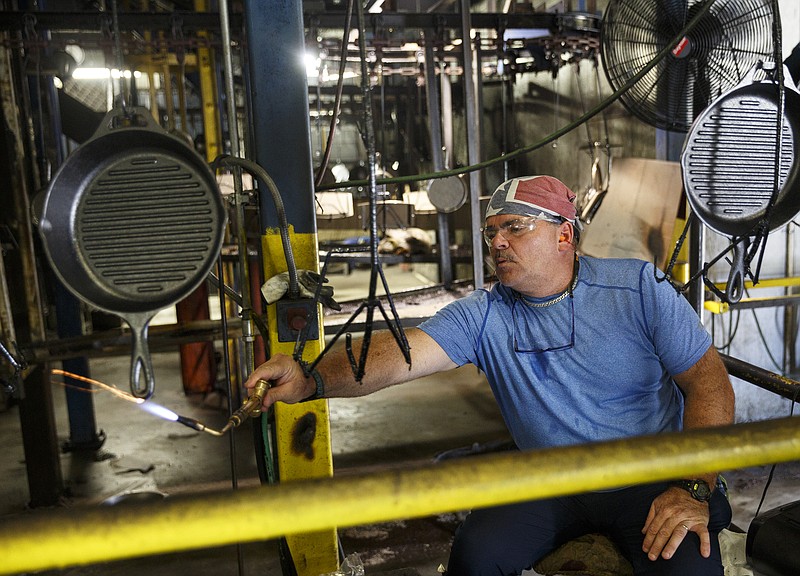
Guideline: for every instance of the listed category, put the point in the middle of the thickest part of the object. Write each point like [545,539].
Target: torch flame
[159,410]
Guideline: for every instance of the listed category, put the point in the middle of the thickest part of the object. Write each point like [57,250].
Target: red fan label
[678,51]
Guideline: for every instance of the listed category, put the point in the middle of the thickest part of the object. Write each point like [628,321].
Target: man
[576,350]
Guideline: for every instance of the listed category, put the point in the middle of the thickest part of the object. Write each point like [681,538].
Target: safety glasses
[514,228]
[527,342]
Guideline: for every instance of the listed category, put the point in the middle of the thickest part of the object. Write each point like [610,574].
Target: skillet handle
[141,365]
[735,286]
[133,117]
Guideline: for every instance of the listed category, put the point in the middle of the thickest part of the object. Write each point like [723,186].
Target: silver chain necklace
[557,299]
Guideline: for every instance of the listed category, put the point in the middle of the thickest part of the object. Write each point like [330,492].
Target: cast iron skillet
[132,223]
[728,165]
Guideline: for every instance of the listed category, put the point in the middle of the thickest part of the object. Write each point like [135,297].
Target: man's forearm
[709,398]
[385,364]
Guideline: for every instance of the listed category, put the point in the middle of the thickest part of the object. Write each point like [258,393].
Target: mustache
[504,254]
[491,260]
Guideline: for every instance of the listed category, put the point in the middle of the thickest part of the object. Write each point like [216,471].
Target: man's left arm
[708,401]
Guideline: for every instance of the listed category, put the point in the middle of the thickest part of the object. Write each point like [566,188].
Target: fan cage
[729,40]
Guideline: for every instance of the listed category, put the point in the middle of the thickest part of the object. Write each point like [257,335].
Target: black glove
[309,281]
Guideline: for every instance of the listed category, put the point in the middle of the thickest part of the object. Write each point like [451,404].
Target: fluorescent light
[312,64]
[102,73]
[91,73]
[377,7]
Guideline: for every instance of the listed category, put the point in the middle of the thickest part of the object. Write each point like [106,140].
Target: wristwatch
[697,488]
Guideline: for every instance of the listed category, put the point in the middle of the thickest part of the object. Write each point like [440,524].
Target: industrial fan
[714,56]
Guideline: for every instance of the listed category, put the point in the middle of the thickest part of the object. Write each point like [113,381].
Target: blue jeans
[506,540]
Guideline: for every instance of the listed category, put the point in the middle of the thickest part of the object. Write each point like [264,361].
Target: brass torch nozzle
[199,426]
[249,407]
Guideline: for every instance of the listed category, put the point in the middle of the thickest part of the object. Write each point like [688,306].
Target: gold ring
[685,527]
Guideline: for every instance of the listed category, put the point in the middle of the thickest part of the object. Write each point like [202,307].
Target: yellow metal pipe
[766,283]
[90,535]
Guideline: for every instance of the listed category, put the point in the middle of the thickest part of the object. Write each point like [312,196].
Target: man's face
[522,256]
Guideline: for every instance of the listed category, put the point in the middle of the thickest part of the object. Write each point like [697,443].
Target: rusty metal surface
[118,342]
[776,383]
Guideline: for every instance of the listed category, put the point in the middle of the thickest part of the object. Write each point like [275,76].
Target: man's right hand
[288,381]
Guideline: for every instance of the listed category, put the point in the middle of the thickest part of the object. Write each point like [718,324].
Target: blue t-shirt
[592,367]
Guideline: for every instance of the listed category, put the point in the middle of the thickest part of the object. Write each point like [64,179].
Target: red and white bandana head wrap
[533,196]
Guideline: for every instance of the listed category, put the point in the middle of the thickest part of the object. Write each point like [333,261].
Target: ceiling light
[103,73]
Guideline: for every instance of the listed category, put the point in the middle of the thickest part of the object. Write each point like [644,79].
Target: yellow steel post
[302,430]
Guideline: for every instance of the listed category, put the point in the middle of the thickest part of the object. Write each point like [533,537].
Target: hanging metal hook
[358,366]
[118,55]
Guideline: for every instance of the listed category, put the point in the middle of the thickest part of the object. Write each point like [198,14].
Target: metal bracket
[293,316]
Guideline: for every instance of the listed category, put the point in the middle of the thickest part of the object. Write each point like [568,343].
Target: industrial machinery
[158,242]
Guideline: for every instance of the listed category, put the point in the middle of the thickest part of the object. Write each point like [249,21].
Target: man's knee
[489,543]
[687,560]
[477,550]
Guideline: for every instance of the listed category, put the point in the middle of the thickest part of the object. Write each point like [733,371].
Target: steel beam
[37,417]
[775,383]
[432,101]
[473,145]
[279,104]
[77,21]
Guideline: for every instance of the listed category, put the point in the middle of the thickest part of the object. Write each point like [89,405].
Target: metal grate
[729,161]
[91,93]
[146,225]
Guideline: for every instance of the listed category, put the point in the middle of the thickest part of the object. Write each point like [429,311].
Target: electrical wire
[338,100]
[771,474]
[763,227]
[733,328]
[260,173]
[764,342]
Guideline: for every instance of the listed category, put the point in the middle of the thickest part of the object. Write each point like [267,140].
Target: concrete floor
[142,453]
[411,423]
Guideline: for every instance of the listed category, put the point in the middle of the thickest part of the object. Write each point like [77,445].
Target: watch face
[700,490]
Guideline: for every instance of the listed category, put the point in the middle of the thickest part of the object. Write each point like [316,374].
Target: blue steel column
[279,93]
[282,136]
[80,403]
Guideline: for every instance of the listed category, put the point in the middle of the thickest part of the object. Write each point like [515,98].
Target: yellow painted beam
[302,430]
[784,282]
[67,537]
[208,92]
